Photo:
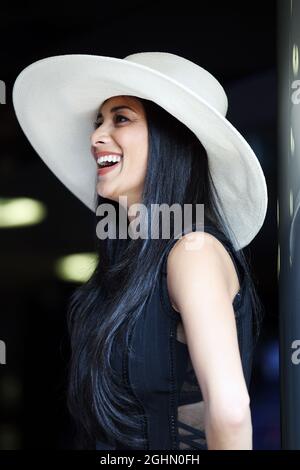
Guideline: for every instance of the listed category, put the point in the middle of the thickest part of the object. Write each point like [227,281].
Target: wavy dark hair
[111,301]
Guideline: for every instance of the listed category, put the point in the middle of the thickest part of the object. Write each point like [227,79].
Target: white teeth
[109,158]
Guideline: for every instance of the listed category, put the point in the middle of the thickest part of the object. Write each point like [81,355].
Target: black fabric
[160,371]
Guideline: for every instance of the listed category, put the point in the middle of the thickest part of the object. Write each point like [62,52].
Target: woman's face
[124,131]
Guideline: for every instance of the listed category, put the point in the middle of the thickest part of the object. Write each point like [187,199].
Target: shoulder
[199,261]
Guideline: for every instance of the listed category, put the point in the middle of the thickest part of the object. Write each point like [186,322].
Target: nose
[100,135]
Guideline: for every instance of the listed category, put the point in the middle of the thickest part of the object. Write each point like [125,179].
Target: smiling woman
[126,136]
[147,323]
[138,302]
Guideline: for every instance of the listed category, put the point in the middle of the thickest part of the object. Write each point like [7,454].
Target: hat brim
[56,100]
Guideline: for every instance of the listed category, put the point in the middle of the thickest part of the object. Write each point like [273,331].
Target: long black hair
[110,302]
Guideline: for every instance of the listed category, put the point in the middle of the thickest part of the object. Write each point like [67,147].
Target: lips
[109,162]
[97,154]
[107,169]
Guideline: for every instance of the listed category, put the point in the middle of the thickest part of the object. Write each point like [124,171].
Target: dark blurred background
[236,43]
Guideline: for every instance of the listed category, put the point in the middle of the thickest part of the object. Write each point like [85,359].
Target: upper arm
[198,283]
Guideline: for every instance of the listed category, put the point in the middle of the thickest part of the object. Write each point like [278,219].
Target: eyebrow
[115,108]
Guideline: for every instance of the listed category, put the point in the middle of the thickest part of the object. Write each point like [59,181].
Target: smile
[107,169]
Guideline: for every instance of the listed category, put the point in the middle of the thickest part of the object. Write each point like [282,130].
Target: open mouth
[105,166]
[107,163]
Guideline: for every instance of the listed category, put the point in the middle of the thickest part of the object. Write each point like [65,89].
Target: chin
[105,193]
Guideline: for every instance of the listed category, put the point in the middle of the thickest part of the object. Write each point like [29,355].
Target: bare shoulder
[200,257]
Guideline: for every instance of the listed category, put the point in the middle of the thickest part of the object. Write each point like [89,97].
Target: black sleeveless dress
[161,374]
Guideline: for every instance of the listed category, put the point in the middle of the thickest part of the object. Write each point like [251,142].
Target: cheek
[136,150]
[143,144]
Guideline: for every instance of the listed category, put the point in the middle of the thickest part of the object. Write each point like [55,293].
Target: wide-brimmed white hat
[56,100]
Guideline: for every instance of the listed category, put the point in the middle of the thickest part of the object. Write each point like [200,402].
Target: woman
[161,334]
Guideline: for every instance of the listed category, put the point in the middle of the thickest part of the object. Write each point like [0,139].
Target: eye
[117,117]
[121,117]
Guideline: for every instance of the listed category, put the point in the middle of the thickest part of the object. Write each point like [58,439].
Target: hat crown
[187,73]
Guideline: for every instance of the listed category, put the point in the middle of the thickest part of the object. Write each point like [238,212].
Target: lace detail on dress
[190,411]
[191,432]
